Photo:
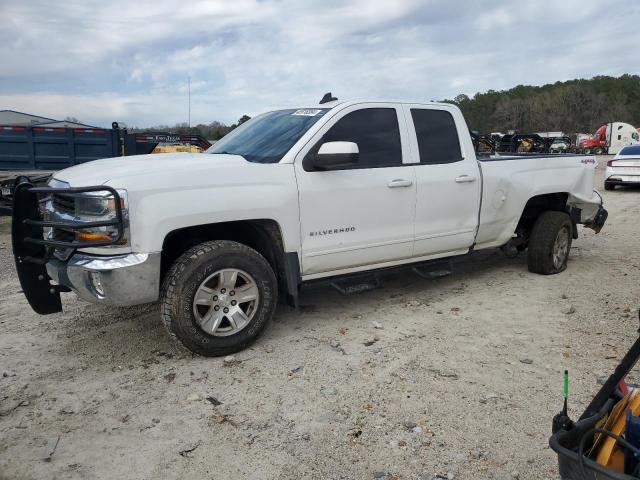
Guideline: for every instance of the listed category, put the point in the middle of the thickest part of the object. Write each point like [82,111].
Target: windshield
[268,137]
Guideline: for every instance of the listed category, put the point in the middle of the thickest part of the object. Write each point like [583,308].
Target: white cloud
[496,18]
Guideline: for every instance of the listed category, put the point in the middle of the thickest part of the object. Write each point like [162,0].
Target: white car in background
[624,168]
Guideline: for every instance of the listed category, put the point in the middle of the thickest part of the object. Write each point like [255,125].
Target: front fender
[259,192]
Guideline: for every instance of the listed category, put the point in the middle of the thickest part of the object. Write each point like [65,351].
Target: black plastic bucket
[565,441]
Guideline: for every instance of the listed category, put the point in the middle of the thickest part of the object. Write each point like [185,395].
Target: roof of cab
[346,103]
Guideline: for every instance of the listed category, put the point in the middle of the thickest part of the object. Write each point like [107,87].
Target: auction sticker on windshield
[307,112]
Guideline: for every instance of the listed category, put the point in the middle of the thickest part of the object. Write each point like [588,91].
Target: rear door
[447,179]
[360,215]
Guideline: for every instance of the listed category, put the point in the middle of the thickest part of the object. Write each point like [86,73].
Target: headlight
[101,207]
[97,206]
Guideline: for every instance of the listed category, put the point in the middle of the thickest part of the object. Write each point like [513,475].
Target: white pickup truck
[289,197]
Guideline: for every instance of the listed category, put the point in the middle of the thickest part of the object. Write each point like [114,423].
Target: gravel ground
[457,377]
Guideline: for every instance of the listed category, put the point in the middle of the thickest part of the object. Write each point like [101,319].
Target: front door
[359,215]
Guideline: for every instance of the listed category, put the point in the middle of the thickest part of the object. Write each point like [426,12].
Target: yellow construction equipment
[177,148]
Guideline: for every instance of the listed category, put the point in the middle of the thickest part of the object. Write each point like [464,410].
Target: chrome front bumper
[119,280]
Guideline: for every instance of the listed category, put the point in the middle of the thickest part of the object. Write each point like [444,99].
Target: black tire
[550,228]
[598,151]
[190,271]
[609,186]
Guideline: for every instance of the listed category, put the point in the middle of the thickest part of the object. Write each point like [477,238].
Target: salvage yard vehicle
[624,168]
[559,144]
[483,144]
[55,148]
[7,182]
[610,138]
[40,151]
[523,143]
[290,197]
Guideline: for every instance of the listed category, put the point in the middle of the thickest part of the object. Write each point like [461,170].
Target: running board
[435,269]
[363,281]
[356,284]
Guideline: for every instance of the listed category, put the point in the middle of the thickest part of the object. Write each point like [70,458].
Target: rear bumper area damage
[589,212]
[598,221]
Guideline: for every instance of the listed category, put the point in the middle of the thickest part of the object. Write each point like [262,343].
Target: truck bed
[509,182]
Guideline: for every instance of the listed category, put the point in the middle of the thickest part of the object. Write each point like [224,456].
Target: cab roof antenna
[327,98]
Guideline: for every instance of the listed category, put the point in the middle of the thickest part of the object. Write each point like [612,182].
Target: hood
[120,172]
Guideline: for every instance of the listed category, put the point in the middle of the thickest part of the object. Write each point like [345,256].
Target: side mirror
[336,155]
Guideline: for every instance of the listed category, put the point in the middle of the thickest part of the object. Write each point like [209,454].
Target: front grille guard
[32,251]
[30,219]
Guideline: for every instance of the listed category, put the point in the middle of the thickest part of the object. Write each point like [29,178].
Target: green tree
[578,105]
[241,120]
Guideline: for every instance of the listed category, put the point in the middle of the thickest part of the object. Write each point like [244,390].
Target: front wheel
[217,297]
[550,243]
[609,186]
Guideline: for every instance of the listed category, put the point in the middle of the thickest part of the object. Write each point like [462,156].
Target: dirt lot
[451,378]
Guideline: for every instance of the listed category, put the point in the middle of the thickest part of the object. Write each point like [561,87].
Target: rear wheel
[550,243]
[218,297]
[609,186]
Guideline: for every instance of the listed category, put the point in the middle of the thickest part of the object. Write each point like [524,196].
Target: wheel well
[535,206]
[264,236]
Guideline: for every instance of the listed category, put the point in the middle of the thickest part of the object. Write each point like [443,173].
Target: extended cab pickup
[289,197]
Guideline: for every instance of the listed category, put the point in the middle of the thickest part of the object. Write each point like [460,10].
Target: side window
[437,136]
[375,131]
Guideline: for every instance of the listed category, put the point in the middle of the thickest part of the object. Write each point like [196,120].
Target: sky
[129,61]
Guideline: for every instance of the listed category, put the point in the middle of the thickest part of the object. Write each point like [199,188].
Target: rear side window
[635,150]
[375,131]
[437,136]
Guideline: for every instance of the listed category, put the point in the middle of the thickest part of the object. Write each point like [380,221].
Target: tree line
[211,131]
[580,105]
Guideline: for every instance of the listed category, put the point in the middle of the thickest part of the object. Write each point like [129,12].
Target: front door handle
[399,182]
[465,179]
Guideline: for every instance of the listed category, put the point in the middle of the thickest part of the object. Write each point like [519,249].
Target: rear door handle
[465,179]
[399,182]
